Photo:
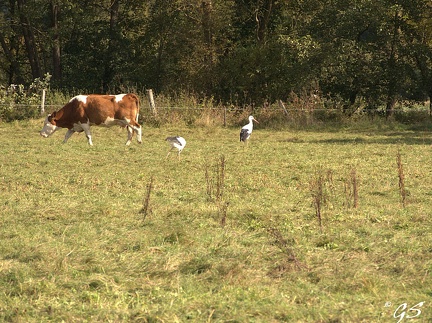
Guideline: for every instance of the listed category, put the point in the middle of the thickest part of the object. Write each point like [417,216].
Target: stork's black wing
[173,140]
[244,134]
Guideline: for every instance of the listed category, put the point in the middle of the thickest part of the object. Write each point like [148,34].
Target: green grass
[75,246]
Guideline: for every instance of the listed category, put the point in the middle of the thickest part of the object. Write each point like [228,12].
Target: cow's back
[98,108]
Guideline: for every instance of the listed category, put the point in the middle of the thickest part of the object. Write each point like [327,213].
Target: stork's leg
[169,152]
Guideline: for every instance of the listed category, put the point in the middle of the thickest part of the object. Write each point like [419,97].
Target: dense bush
[306,109]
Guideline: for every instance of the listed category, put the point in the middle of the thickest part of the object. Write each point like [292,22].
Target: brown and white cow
[83,111]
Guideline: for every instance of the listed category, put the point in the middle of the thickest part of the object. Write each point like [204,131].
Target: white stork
[247,129]
[176,142]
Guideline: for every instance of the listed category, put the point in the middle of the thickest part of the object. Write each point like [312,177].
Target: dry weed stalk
[318,196]
[223,207]
[220,178]
[146,201]
[354,182]
[321,187]
[328,181]
[209,183]
[283,245]
[351,189]
[401,175]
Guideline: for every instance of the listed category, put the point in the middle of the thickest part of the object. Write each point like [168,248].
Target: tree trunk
[391,68]
[426,75]
[430,102]
[391,103]
[11,45]
[14,71]
[29,40]
[112,45]
[262,18]
[207,9]
[56,56]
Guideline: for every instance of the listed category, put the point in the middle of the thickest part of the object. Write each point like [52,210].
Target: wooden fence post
[282,105]
[43,101]
[151,101]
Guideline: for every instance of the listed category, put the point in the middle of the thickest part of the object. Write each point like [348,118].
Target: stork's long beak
[256,120]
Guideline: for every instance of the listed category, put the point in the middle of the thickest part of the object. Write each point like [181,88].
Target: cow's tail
[138,109]
[139,130]
[137,116]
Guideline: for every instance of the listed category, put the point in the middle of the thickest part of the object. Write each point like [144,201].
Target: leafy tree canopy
[234,50]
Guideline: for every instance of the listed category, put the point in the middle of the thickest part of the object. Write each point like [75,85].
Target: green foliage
[247,53]
[17,103]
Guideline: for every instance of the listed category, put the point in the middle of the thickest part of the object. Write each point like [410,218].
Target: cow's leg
[68,134]
[86,128]
[130,134]
[135,126]
[139,134]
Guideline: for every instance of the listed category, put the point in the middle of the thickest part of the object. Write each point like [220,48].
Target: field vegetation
[324,216]
[309,222]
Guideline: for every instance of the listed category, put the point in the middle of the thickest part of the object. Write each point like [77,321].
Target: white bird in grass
[176,142]
[247,129]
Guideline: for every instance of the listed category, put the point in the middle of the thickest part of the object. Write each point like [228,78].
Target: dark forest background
[238,51]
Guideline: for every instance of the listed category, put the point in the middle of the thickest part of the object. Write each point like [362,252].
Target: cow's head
[49,125]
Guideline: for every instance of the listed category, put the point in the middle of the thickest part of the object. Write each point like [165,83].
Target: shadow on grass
[393,138]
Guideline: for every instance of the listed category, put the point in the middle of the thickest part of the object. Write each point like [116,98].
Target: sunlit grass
[75,246]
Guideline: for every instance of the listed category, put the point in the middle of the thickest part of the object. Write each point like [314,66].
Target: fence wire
[54,107]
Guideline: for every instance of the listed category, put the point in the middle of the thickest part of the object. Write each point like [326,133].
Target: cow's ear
[53,115]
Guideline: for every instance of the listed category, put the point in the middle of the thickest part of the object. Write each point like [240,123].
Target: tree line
[239,51]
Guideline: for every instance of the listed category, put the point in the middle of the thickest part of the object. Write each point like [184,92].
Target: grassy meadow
[299,226]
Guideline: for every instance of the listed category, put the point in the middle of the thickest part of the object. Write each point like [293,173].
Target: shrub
[17,103]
